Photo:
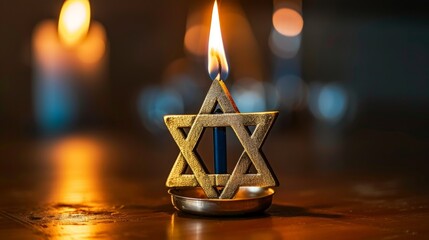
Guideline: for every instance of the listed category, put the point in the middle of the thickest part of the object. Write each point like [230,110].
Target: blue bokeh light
[329,102]
[249,95]
[154,103]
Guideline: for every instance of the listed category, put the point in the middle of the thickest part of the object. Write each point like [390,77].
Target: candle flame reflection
[200,228]
[76,192]
[217,64]
[74,231]
[76,163]
[74,21]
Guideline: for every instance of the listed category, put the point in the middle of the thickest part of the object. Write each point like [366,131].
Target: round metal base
[248,200]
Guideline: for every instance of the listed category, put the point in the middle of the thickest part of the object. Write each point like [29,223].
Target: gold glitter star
[239,122]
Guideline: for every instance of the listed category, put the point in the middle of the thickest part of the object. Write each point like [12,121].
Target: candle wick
[219,67]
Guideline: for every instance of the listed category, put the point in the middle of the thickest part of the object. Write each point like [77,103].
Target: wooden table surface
[102,187]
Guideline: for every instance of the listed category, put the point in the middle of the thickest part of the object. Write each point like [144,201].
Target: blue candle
[219,147]
[218,69]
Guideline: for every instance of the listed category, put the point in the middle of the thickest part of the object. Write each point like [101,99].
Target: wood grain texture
[127,199]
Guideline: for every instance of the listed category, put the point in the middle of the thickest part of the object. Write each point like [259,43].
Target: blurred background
[350,79]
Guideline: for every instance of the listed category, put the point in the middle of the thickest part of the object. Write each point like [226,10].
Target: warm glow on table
[77,163]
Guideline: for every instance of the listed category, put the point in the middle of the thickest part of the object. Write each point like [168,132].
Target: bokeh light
[55,105]
[272,96]
[249,95]
[288,22]
[332,102]
[329,102]
[284,46]
[178,75]
[93,48]
[196,39]
[74,21]
[156,102]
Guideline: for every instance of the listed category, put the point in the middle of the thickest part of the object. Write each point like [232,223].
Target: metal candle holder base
[247,200]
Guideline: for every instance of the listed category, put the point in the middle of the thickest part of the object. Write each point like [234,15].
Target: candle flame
[74,21]
[217,64]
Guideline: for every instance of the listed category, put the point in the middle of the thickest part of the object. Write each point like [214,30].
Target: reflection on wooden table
[112,187]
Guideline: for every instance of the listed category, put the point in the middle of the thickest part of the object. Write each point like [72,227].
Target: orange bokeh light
[196,39]
[74,21]
[92,50]
[288,22]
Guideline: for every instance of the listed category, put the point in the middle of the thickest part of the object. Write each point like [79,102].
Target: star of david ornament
[217,187]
